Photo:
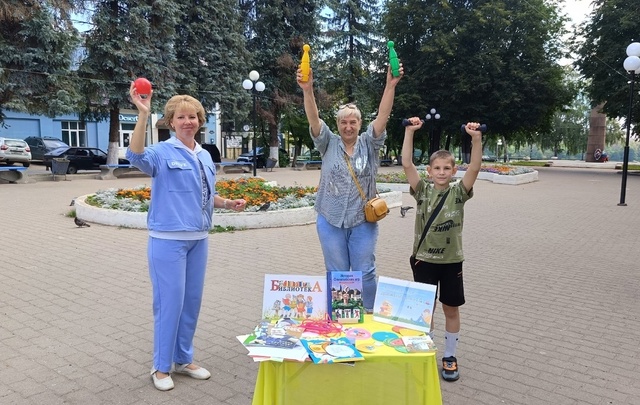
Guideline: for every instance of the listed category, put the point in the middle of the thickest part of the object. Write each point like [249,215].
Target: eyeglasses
[350,106]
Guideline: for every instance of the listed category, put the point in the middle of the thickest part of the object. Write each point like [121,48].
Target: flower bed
[503,170]
[288,205]
[499,174]
[255,191]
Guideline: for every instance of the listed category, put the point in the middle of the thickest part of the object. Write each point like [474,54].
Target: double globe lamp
[255,86]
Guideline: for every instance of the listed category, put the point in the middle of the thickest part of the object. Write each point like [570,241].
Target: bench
[111,172]
[13,174]
[385,162]
[308,164]
[270,164]
[234,167]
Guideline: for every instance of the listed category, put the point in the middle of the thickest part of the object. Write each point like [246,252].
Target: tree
[351,38]
[570,124]
[277,30]
[36,47]
[613,25]
[211,55]
[488,61]
[129,39]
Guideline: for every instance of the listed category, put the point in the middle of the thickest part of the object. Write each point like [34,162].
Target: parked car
[247,157]
[310,155]
[14,151]
[41,145]
[80,158]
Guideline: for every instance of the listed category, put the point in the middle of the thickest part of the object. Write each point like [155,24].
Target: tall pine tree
[129,39]
[353,47]
[36,47]
[212,56]
[277,30]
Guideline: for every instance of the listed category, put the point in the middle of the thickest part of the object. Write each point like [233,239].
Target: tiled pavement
[552,278]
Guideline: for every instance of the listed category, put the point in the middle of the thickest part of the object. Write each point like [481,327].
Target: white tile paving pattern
[552,277]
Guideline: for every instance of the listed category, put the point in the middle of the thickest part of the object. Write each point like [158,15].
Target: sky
[577,10]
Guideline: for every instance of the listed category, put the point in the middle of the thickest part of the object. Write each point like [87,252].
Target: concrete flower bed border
[493,177]
[243,220]
[505,179]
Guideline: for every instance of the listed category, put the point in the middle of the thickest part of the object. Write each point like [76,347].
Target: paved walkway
[552,283]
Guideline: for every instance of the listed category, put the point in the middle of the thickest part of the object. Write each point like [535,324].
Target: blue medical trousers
[351,249]
[177,270]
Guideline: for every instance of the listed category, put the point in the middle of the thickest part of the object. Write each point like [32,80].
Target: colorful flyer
[404,303]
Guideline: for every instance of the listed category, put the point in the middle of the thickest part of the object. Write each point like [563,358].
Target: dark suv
[41,145]
[80,158]
[247,157]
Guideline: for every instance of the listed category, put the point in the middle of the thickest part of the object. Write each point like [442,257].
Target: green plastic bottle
[393,60]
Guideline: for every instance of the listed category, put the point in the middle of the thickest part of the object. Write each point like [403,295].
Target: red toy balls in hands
[143,86]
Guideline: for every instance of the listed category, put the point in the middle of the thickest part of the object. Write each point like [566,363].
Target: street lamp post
[631,65]
[431,117]
[255,86]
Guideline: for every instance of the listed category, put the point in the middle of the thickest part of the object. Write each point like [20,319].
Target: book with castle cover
[404,303]
[294,297]
[344,296]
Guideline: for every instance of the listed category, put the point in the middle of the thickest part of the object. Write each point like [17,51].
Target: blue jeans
[177,270]
[351,249]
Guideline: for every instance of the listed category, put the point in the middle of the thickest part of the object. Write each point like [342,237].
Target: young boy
[438,258]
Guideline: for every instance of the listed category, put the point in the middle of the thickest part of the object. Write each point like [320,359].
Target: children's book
[415,344]
[404,303]
[294,297]
[267,334]
[331,350]
[344,296]
[272,353]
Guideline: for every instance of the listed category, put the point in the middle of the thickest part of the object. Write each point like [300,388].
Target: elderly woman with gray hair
[348,241]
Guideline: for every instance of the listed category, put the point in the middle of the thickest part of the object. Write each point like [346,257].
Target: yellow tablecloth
[385,377]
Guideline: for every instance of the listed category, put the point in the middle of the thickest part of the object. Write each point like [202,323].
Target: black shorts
[446,277]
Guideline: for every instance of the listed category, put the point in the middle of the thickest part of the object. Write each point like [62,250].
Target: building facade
[75,132]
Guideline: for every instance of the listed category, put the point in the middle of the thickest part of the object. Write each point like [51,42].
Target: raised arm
[386,103]
[413,177]
[310,106]
[136,143]
[473,169]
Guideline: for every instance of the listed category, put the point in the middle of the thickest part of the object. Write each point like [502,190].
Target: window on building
[74,133]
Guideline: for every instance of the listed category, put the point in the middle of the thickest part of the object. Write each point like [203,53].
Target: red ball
[143,86]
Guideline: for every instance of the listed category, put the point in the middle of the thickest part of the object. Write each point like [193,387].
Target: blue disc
[382,336]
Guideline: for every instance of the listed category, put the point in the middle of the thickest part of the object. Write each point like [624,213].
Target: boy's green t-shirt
[443,243]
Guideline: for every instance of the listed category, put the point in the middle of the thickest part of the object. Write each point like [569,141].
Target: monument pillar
[597,132]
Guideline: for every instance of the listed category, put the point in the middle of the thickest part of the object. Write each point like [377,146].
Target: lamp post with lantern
[432,116]
[255,86]
[631,65]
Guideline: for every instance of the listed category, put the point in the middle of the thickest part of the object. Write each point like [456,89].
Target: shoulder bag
[374,209]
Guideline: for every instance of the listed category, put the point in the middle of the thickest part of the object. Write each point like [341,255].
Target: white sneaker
[199,373]
[162,384]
